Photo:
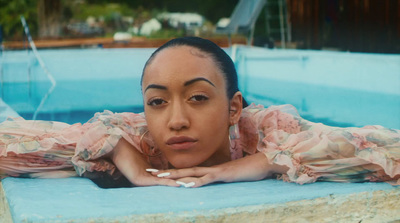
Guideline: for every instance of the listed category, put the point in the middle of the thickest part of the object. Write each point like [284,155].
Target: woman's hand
[133,165]
[250,168]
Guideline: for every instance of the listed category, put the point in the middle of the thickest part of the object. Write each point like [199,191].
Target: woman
[194,131]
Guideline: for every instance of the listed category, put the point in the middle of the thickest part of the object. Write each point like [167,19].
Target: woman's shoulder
[275,117]
[259,109]
[110,118]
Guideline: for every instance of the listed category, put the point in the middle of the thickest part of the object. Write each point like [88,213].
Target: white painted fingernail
[181,183]
[163,174]
[191,184]
[152,170]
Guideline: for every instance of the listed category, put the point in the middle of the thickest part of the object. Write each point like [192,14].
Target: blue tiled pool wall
[88,81]
[6,111]
[336,88]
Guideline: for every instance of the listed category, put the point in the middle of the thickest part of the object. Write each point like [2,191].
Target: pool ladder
[42,65]
[1,72]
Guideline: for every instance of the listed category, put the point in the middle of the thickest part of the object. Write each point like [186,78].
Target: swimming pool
[336,88]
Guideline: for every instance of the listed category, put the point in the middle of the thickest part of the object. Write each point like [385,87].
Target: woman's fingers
[197,181]
[166,182]
[150,180]
[189,177]
[181,173]
[250,168]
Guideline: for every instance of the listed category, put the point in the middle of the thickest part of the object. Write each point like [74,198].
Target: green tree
[46,17]
[10,12]
[213,10]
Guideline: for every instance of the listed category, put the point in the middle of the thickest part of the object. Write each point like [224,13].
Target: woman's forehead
[171,54]
[181,63]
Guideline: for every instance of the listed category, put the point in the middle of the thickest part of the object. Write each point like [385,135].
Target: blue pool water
[336,88]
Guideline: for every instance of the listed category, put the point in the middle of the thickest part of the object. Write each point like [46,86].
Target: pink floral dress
[311,151]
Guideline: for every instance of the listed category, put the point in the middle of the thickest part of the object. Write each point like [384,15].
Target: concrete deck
[109,42]
[80,200]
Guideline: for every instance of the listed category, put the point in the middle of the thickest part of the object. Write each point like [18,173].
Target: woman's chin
[178,164]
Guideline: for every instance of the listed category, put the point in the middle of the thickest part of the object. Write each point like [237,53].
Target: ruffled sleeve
[101,135]
[313,151]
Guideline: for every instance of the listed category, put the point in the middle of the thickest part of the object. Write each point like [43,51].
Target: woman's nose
[178,117]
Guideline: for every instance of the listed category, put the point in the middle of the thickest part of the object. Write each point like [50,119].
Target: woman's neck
[222,155]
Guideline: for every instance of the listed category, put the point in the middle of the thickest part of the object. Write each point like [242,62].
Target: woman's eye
[156,102]
[198,98]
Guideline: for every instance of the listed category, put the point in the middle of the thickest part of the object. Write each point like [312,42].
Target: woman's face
[186,107]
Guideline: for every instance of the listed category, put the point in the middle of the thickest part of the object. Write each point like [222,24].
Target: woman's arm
[133,164]
[250,168]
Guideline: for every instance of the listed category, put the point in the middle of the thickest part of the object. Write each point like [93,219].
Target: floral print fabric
[311,151]
[314,151]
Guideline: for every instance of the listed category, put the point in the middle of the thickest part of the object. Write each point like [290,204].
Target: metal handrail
[1,72]
[1,64]
[48,74]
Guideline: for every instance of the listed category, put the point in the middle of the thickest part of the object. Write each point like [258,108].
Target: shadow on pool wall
[335,88]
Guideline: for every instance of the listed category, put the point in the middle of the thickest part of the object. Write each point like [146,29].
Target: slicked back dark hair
[219,56]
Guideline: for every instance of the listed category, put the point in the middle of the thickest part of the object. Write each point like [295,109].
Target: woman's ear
[236,106]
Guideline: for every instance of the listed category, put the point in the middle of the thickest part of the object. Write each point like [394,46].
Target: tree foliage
[10,13]
[213,10]
[72,10]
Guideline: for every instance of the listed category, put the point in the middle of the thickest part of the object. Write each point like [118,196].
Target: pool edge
[5,214]
[370,206]
[375,206]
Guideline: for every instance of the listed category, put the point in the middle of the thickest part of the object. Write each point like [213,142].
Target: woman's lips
[181,142]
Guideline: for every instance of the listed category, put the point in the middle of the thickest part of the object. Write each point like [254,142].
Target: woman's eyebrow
[189,82]
[156,86]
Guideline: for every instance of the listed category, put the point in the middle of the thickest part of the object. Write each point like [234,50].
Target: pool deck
[80,200]
[135,42]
